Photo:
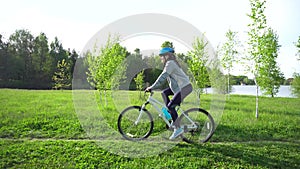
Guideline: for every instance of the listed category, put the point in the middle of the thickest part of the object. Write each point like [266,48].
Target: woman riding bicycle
[179,85]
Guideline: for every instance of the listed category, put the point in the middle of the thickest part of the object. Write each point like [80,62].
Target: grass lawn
[40,129]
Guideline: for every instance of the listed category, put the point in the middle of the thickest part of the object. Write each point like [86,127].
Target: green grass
[38,114]
[40,129]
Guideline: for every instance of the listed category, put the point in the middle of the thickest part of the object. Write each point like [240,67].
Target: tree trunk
[198,93]
[228,87]
[256,109]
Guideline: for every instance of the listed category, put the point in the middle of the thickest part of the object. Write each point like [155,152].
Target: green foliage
[263,51]
[62,77]
[57,51]
[135,63]
[22,46]
[270,76]
[229,50]
[298,47]
[4,58]
[155,68]
[139,80]
[228,53]
[255,34]
[168,44]
[241,80]
[27,62]
[197,64]
[42,60]
[106,70]
[295,86]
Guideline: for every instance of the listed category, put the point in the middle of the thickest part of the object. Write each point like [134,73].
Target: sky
[75,22]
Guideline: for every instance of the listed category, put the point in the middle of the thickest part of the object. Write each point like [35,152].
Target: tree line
[34,63]
[31,62]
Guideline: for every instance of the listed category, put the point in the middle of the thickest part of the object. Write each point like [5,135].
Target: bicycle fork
[141,113]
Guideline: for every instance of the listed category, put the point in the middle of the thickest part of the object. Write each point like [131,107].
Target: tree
[295,86]
[42,62]
[73,56]
[153,68]
[255,38]
[139,81]
[27,62]
[269,75]
[168,44]
[62,77]
[4,65]
[197,64]
[106,70]
[79,75]
[135,64]
[298,48]
[183,57]
[229,54]
[57,53]
[21,46]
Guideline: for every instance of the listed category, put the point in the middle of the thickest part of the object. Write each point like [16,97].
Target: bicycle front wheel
[198,125]
[134,124]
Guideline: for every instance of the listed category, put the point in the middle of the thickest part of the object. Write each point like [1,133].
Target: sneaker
[176,133]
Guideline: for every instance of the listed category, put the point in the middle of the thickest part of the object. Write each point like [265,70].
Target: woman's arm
[169,67]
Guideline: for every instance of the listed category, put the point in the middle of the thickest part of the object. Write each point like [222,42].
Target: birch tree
[256,30]
[262,52]
[229,52]
[197,64]
[107,69]
[270,76]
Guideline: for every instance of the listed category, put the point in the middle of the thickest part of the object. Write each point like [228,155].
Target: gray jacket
[175,76]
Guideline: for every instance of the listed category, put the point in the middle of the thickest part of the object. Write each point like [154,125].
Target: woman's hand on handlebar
[148,89]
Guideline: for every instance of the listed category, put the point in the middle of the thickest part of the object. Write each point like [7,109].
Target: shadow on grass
[269,155]
[246,147]
[226,133]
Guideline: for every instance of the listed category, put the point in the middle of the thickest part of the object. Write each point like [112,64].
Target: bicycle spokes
[134,125]
[198,125]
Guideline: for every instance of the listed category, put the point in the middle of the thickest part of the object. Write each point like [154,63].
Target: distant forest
[31,62]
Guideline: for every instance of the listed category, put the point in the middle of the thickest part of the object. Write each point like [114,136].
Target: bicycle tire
[127,127]
[205,126]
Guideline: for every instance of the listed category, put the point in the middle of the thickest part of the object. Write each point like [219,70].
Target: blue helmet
[166,50]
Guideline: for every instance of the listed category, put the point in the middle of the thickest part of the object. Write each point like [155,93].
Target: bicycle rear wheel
[130,128]
[198,125]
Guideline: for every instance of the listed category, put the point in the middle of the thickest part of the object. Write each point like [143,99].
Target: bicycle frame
[157,104]
[197,124]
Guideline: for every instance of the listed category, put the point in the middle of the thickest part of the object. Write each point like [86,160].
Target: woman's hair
[173,57]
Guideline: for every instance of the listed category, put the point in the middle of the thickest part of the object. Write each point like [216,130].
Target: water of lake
[284,91]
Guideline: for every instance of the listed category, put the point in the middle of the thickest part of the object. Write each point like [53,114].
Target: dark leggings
[176,100]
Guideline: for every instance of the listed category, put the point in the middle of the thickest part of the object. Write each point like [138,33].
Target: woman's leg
[165,95]
[176,100]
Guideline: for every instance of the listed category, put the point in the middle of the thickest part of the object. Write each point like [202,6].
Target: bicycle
[136,123]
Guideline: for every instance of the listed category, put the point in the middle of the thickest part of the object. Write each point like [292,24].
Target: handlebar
[150,91]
